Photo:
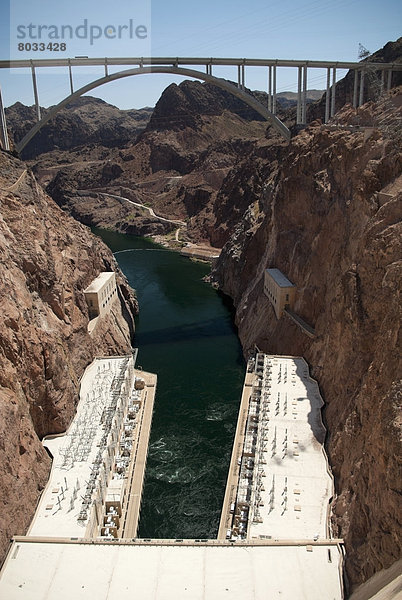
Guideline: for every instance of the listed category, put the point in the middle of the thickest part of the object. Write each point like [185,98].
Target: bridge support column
[3,126]
[333,91]
[270,88]
[327,95]
[382,81]
[355,84]
[71,79]
[208,69]
[299,87]
[304,96]
[361,92]
[274,91]
[243,77]
[106,69]
[240,77]
[35,89]
[389,82]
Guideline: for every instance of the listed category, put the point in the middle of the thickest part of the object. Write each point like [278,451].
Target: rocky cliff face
[47,260]
[196,134]
[325,210]
[85,121]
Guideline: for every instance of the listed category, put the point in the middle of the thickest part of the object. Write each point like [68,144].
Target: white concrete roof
[291,466]
[62,571]
[99,281]
[280,278]
[74,454]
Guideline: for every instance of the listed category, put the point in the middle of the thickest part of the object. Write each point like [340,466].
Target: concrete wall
[278,296]
[100,294]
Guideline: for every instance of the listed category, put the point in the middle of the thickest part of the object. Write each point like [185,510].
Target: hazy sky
[317,29]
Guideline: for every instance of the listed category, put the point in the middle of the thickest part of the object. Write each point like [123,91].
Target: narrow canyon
[323,208]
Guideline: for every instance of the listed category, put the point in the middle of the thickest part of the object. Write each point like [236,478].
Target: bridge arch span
[219,82]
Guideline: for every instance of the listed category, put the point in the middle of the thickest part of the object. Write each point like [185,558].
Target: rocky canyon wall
[46,261]
[325,210]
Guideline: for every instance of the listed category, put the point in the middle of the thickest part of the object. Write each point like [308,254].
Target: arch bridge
[191,67]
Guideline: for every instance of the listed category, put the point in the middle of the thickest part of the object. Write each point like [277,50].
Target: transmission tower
[363,52]
[375,84]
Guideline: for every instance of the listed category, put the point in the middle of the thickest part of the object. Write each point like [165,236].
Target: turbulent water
[185,335]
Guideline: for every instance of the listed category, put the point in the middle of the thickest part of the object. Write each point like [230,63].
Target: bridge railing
[194,61]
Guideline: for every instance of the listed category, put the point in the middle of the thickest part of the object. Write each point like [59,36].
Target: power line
[281,21]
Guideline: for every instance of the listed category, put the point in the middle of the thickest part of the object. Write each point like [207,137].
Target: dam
[274,537]
[266,536]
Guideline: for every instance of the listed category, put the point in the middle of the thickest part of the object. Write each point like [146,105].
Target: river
[185,334]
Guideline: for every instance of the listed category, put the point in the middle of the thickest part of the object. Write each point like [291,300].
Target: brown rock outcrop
[47,260]
[326,211]
[196,134]
[85,121]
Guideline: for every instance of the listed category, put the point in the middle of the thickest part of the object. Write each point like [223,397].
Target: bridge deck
[180,66]
[193,61]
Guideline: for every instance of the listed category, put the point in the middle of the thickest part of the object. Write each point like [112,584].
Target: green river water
[185,334]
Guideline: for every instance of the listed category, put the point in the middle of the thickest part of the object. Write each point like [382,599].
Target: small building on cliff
[280,291]
[101,293]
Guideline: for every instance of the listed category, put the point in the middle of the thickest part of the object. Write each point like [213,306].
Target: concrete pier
[4,142]
[139,457]
[200,252]
[237,452]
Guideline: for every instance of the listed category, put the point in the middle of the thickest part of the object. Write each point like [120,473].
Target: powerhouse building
[280,291]
[100,294]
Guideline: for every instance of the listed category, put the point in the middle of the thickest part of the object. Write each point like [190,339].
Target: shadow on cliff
[314,417]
